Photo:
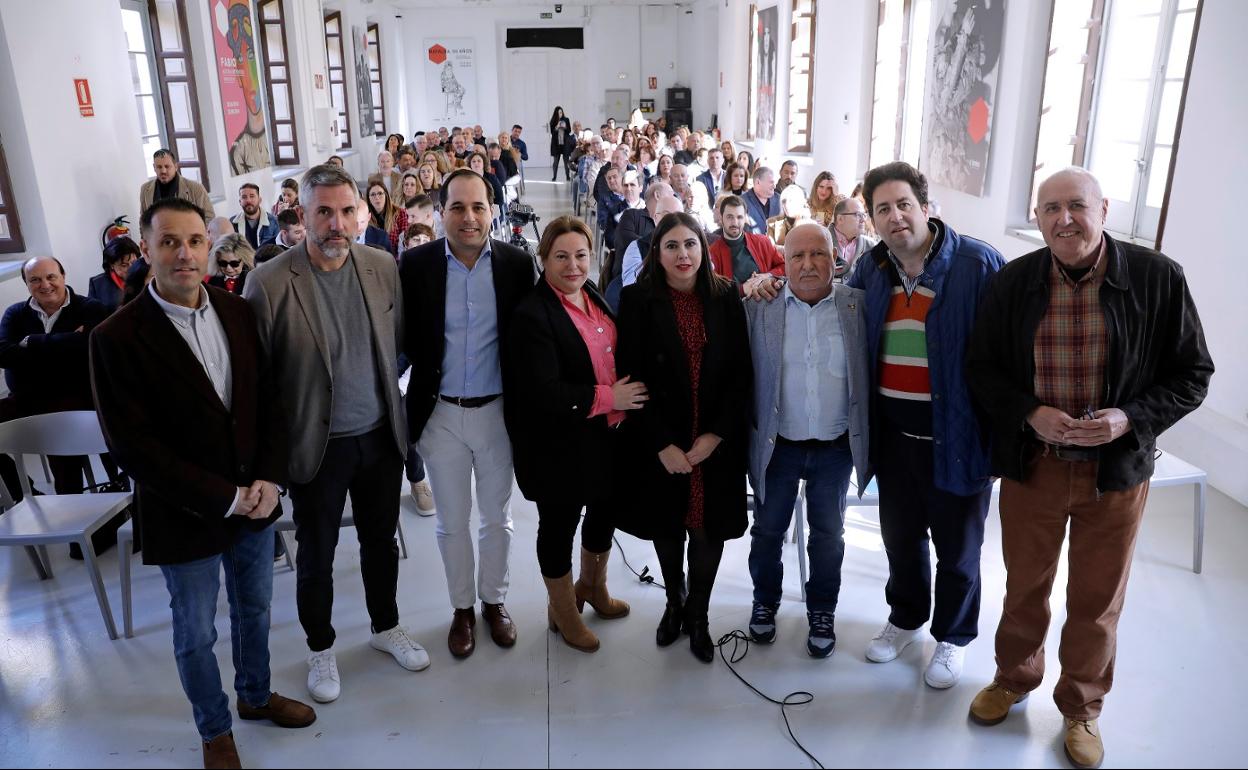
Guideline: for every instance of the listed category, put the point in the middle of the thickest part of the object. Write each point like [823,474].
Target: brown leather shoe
[221,753]
[461,640]
[281,711]
[502,630]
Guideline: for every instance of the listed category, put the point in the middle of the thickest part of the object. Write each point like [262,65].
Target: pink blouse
[598,332]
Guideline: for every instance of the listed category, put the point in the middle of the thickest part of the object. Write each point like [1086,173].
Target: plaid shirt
[1071,342]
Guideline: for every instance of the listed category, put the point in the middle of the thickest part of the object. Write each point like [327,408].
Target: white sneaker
[890,641]
[423,495]
[408,653]
[945,667]
[323,682]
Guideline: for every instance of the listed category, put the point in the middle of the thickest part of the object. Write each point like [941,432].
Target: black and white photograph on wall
[767,39]
[451,80]
[962,93]
[363,82]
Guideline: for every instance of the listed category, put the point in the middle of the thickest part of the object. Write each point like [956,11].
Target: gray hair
[235,245]
[325,175]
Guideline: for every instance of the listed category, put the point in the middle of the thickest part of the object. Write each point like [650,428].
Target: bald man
[809,348]
[1078,379]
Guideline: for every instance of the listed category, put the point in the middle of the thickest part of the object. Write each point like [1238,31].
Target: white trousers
[456,444]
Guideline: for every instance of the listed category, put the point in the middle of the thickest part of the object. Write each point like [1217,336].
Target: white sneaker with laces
[323,682]
[945,667]
[423,494]
[408,653]
[890,642]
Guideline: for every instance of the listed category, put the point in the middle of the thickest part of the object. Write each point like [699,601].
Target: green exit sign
[548,16]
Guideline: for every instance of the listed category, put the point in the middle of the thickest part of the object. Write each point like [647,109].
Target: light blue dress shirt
[470,362]
[633,260]
[814,376]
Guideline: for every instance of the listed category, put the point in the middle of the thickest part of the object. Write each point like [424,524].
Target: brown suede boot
[565,618]
[220,753]
[591,587]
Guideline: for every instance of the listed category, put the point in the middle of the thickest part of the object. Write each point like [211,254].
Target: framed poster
[451,80]
[238,73]
[767,39]
[962,93]
[363,81]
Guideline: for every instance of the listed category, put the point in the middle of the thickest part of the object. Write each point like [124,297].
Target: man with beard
[254,223]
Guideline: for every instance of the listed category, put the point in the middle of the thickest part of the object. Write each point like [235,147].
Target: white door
[534,82]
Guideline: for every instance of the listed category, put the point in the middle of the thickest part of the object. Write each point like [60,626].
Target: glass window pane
[1158,173]
[132,23]
[140,74]
[147,116]
[285,132]
[1114,165]
[278,73]
[285,152]
[188,151]
[336,93]
[1180,45]
[273,44]
[150,145]
[190,172]
[271,10]
[1,198]
[175,68]
[281,102]
[332,26]
[377,94]
[167,23]
[335,56]
[180,107]
[1168,112]
[4,227]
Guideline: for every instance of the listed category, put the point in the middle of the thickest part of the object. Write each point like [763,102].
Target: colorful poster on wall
[451,80]
[766,38]
[238,73]
[363,81]
[962,94]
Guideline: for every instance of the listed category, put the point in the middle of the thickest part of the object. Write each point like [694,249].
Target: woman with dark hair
[569,403]
[560,132]
[287,196]
[478,162]
[663,168]
[746,161]
[109,286]
[738,180]
[682,332]
[394,143]
[385,214]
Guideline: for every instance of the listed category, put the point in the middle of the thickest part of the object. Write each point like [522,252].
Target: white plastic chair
[38,522]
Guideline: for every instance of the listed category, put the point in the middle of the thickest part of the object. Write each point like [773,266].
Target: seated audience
[229,261]
[108,286]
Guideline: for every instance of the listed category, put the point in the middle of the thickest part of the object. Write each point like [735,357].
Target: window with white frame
[900,75]
[1128,60]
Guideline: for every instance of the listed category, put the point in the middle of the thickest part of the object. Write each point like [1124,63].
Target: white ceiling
[415,4]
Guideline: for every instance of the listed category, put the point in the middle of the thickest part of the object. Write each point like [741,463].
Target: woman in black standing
[683,333]
[566,406]
[560,134]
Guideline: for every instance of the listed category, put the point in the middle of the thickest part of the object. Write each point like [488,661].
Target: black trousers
[704,556]
[367,468]
[556,527]
[911,507]
[554,165]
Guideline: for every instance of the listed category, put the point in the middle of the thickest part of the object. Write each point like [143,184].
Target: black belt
[470,403]
[1071,454]
[815,443]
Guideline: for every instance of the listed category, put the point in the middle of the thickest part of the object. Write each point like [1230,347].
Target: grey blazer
[766,324]
[283,296]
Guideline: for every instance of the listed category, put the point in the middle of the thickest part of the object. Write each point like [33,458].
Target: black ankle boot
[670,626]
[700,643]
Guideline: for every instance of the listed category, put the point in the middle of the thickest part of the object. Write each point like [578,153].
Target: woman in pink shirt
[566,404]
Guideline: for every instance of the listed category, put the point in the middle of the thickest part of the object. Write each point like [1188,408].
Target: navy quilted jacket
[958,273]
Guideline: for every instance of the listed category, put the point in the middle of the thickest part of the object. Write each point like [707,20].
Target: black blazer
[103,290]
[650,351]
[422,277]
[51,372]
[219,280]
[633,224]
[186,452]
[377,238]
[558,452]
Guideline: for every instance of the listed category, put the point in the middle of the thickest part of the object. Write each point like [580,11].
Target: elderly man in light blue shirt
[811,395]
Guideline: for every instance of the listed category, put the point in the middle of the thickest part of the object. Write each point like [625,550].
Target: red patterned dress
[689,324]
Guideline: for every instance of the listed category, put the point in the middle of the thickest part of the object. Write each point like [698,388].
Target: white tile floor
[70,697]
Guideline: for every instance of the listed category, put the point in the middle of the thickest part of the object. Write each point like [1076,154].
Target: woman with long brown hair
[384,213]
[824,195]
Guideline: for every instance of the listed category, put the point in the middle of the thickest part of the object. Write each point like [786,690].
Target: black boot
[671,555]
[670,626]
[554,170]
[699,630]
[704,558]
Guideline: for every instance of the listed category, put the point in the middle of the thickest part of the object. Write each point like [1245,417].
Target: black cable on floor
[737,637]
[796,698]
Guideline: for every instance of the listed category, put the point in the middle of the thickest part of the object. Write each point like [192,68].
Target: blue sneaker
[763,623]
[822,639]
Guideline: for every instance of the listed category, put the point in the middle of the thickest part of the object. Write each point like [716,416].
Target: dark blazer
[650,351]
[186,452]
[219,280]
[422,278]
[103,290]
[709,183]
[633,224]
[51,373]
[377,238]
[1157,366]
[558,452]
[757,214]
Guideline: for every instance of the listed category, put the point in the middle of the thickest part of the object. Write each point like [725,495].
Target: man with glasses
[849,226]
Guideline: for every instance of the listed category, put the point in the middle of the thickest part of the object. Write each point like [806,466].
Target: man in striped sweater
[923,283]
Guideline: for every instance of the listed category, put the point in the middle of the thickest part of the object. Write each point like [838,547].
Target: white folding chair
[38,522]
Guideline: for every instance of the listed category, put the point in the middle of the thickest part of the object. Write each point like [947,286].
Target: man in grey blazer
[849,228]
[329,312]
[811,393]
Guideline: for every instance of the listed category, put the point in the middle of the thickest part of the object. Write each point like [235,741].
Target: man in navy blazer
[370,234]
[714,177]
[812,389]
[761,201]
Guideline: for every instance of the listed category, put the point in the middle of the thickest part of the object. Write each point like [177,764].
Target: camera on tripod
[520,214]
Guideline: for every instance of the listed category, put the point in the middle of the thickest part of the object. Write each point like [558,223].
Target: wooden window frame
[904,65]
[272,83]
[375,78]
[344,109]
[808,106]
[14,243]
[188,77]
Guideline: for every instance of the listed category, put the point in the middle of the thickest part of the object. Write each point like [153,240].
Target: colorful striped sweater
[904,385]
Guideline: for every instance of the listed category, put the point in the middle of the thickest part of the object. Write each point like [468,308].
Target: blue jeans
[825,465]
[193,589]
